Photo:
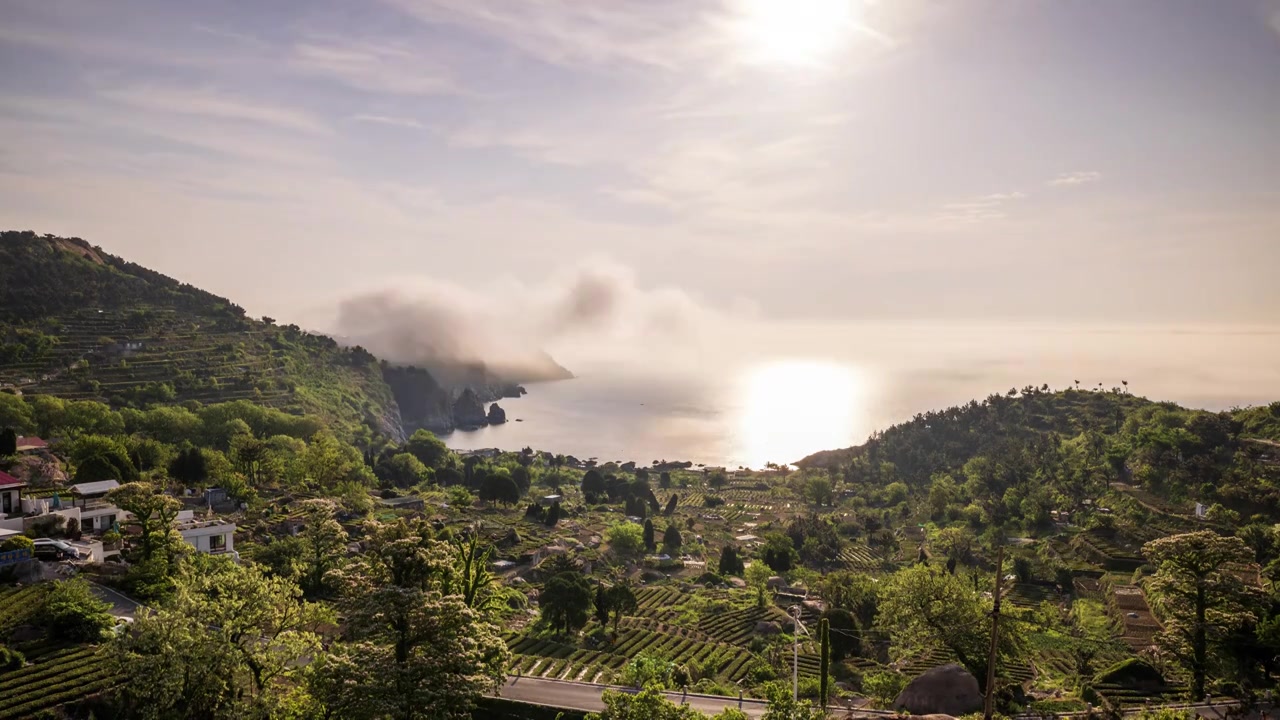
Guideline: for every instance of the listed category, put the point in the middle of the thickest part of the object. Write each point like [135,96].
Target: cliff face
[444,399]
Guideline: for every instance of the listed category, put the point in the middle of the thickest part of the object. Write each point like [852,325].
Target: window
[105,522]
[217,543]
[7,507]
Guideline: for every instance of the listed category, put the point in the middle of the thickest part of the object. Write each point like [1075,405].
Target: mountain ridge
[80,323]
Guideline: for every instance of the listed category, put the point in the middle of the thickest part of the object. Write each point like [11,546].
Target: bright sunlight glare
[796,407]
[795,32]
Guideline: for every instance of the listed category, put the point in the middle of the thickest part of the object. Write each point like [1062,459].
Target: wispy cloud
[980,209]
[1079,177]
[372,67]
[388,120]
[215,105]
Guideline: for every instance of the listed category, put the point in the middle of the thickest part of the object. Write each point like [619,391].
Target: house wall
[12,500]
[198,538]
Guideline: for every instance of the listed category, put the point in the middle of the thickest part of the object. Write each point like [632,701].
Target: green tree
[622,601]
[553,515]
[565,602]
[648,704]
[730,563]
[819,491]
[650,544]
[429,449]
[626,539]
[602,605]
[593,486]
[921,610]
[498,487]
[1198,598]
[671,540]
[883,687]
[671,504]
[402,470]
[324,544]
[472,577]
[72,612]
[779,553]
[416,649]
[152,512]
[189,467]
[8,442]
[231,643]
[783,706]
[824,660]
[646,671]
[97,457]
[15,413]
[757,576]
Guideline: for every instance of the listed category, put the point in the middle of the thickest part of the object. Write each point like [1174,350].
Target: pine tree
[671,505]
[8,442]
[553,515]
[649,543]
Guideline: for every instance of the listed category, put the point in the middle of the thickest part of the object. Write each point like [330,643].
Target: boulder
[497,415]
[468,411]
[764,627]
[944,690]
[737,582]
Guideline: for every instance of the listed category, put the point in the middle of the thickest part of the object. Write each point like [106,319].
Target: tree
[471,572]
[783,706]
[730,563]
[883,687]
[622,601]
[778,552]
[671,540]
[650,544]
[664,480]
[824,660]
[189,467]
[593,485]
[72,612]
[1198,597]
[151,511]
[602,605]
[757,576]
[566,602]
[922,610]
[847,638]
[231,643]
[553,515]
[819,491]
[671,505]
[648,671]
[499,487]
[402,470]
[626,539]
[324,543]
[717,480]
[854,592]
[8,442]
[429,449]
[416,650]
[648,704]
[97,457]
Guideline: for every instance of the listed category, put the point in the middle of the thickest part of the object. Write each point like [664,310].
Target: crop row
[46,697]
[654,598]
[734,626]
[18,604]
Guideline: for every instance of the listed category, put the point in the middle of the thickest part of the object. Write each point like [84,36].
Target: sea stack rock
[468,411]
[497,415]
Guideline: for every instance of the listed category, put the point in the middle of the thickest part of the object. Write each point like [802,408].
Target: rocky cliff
[444,399]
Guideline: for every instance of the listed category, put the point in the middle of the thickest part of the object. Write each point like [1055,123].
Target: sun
[794,32]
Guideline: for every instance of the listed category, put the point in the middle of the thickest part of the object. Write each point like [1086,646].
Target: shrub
[11,659]
[883,687]
[1132,672]
[17,542]
[73,612]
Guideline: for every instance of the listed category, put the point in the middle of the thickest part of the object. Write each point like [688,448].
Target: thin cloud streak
[1080,177]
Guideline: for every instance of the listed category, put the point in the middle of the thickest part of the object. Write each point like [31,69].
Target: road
[583,696]
[121,606]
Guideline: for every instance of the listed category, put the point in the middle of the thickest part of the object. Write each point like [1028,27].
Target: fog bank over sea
[739,393]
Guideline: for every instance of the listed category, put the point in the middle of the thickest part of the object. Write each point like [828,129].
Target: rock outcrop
[497,415]
[944,690]
[468,411]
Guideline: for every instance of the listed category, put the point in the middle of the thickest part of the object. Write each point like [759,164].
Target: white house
[215,537]
[10,495]
[96,514]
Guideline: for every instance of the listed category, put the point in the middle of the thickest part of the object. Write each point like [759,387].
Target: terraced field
[54,675]
[17,604]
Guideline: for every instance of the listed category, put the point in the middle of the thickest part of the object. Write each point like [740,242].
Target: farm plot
[59,677]
[19,603]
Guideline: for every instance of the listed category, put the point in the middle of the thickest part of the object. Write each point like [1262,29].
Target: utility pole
[987,704]
[795,657]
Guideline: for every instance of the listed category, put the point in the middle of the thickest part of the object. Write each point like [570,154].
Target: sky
[815,160]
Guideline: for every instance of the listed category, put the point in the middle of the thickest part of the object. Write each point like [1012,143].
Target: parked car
[50,549]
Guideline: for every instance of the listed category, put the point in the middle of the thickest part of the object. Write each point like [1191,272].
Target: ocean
[786,391]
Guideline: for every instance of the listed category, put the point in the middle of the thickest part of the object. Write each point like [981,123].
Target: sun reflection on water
[793,408]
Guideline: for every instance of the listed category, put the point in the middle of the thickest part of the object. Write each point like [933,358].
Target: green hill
[1036,450]
[80,323]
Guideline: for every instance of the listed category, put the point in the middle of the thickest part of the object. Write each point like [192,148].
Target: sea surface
[781,393]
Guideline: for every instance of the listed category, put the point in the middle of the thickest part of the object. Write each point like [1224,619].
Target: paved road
[583,696]
[121,606]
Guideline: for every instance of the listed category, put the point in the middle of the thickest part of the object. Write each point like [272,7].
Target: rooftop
[31,443]
[198,524]
[94,488]
[7,480]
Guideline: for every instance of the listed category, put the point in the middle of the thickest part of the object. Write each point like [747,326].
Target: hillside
[1073,443]
[80,323]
